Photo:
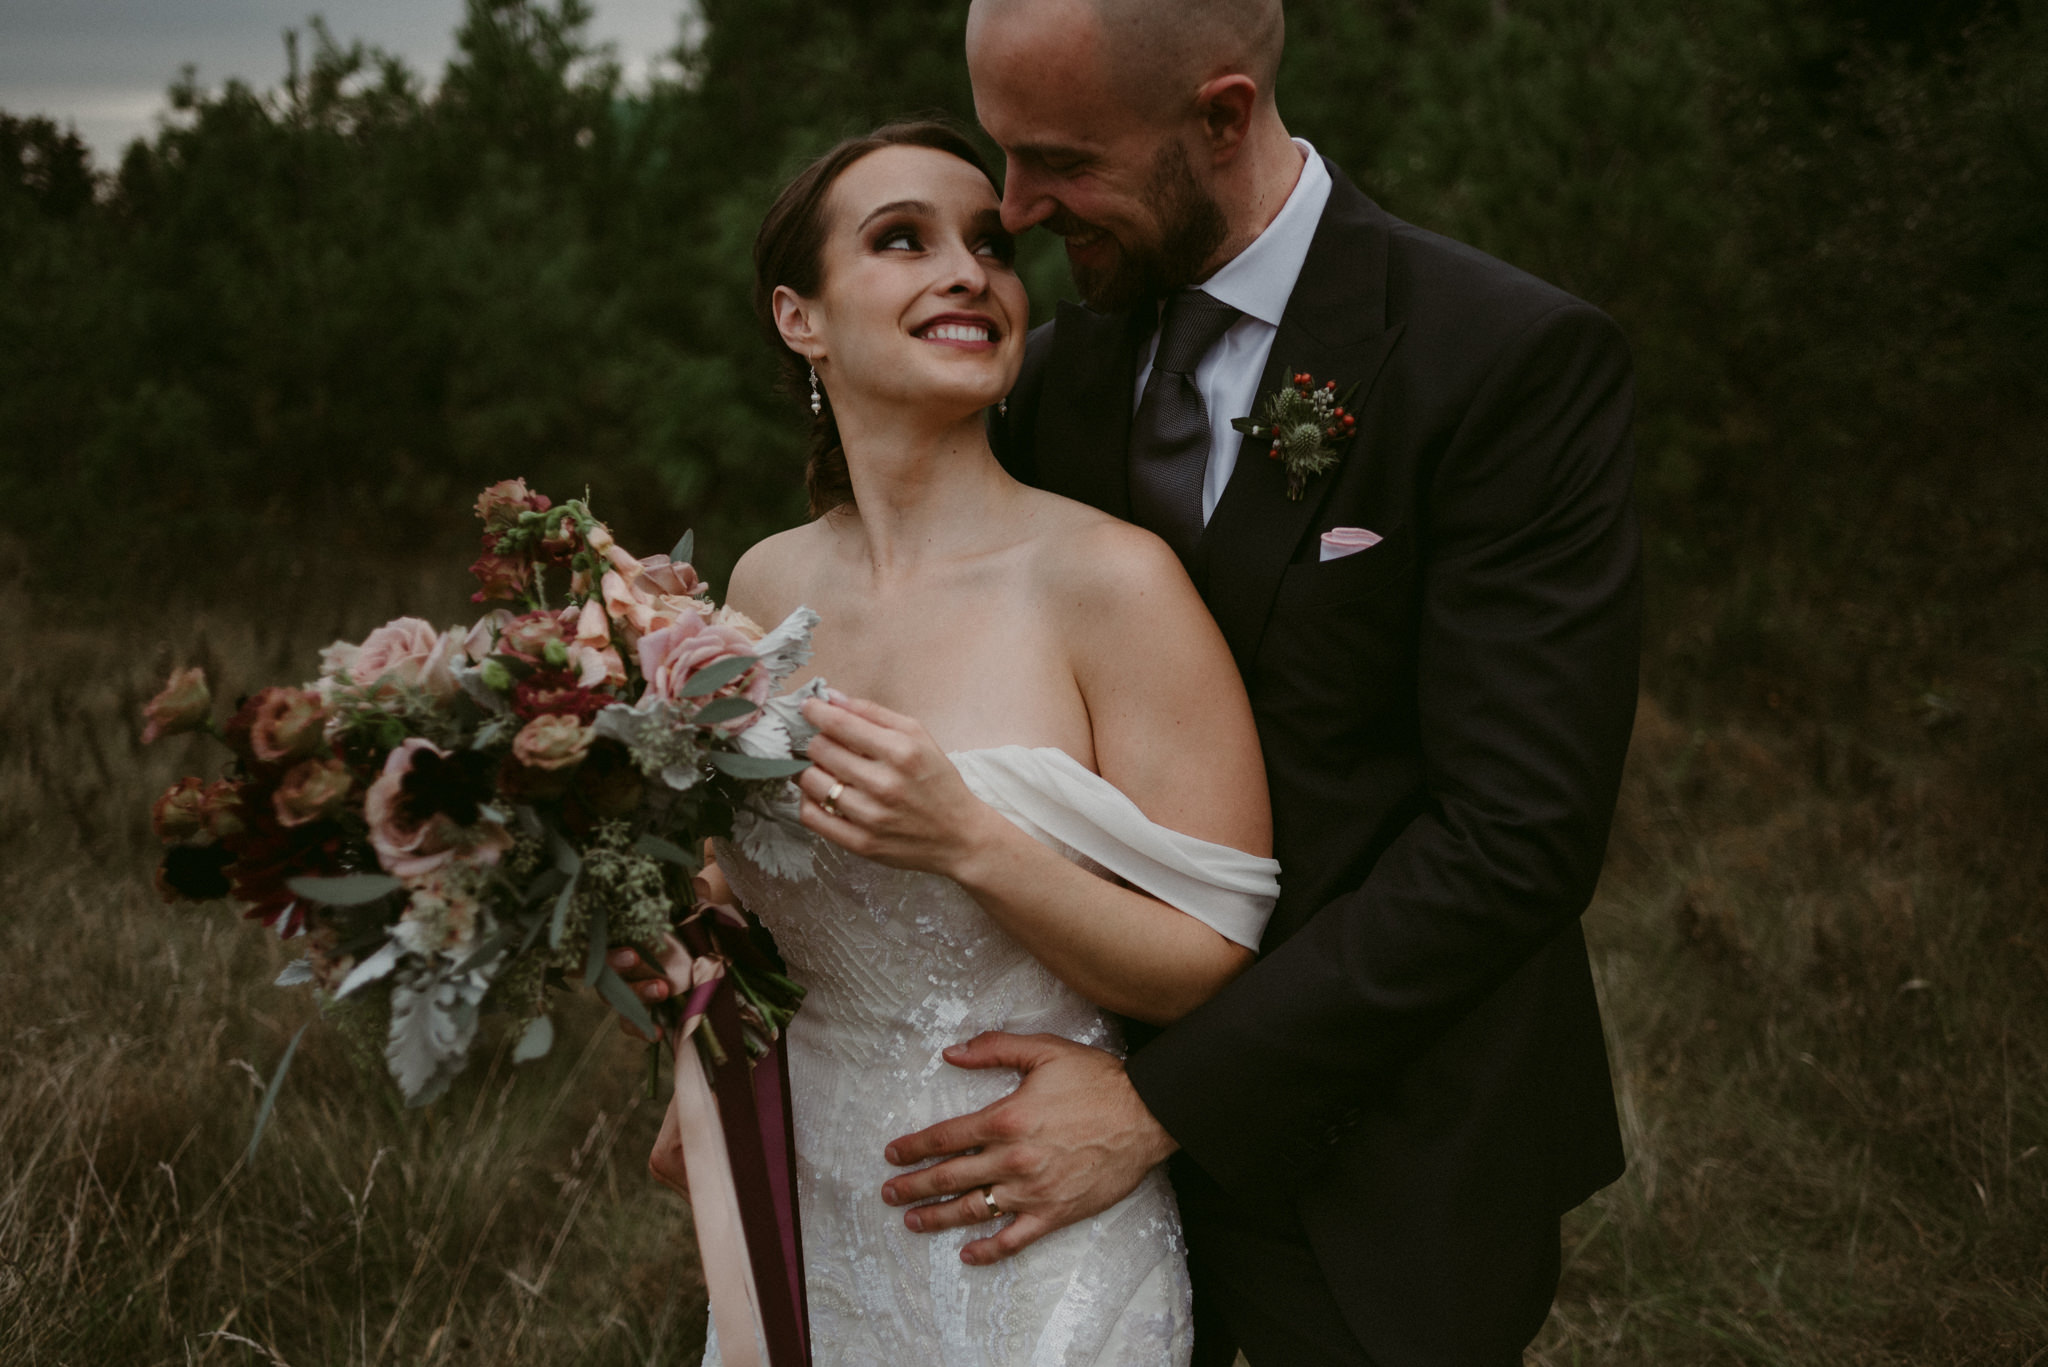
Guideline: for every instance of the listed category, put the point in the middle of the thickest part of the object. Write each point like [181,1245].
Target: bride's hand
[879,786]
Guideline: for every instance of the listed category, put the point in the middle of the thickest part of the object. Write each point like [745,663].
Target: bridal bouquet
[456,821]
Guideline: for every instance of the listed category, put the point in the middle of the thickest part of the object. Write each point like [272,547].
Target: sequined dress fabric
[898,966]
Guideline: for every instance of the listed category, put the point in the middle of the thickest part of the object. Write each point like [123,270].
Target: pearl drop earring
[817,399]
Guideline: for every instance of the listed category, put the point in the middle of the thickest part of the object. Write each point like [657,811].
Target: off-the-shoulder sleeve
[1053,797]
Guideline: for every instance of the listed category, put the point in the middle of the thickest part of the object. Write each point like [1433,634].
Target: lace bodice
[900,965]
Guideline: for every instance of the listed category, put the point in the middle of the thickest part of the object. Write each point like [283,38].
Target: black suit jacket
[1416,1059]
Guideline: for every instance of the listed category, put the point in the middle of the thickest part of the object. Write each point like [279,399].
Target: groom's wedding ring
[831,802]
[988,1200]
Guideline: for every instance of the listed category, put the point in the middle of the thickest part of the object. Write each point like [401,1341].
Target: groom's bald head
[1155,54]
[1144,132]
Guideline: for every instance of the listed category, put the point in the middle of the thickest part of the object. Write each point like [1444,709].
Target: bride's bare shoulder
[777,572]
[1094,559]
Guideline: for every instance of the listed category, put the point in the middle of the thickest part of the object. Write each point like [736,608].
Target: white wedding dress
[898,966]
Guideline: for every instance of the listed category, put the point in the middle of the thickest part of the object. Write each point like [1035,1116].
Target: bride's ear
[795,319]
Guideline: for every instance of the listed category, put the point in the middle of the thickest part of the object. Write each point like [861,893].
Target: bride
[1073,829]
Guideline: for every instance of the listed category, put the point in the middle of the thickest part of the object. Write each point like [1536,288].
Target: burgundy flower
[501,576]
[193,873]
[556,694]
[268,854]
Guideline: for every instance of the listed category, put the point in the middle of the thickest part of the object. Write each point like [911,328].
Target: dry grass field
[1822,956]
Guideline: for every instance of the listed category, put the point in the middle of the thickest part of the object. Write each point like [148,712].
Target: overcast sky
[103,65]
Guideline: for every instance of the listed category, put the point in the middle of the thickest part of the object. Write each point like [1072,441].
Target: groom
[1375,1129]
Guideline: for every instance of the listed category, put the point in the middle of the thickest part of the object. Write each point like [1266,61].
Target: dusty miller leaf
[370,969]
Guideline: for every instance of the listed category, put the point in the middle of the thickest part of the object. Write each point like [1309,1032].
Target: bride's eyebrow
[898,206]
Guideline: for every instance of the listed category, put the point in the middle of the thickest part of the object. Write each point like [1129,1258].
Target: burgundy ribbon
[739,1147]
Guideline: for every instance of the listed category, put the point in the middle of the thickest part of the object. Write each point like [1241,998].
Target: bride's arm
[1171,729]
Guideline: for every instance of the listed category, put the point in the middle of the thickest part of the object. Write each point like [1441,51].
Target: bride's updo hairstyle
[790,250]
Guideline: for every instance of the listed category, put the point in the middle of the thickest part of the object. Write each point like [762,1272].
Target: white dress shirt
[1256,282]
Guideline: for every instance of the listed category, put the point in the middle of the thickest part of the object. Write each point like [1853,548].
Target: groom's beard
[1192,227]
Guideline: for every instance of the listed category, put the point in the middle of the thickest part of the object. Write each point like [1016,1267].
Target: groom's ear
[793,319]
[1225,106]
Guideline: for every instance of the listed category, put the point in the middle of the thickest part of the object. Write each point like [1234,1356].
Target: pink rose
[410,653]
[676,578]
[182,706]
[313,789]
[288,724]
[413,838]
[529,635]
[500,505]
[738,621]
[551,742]
[669,657]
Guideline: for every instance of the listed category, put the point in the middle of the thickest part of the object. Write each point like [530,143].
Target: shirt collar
[1259,279]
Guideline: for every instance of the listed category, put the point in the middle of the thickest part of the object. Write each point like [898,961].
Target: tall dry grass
[1825,976]
[1819,945]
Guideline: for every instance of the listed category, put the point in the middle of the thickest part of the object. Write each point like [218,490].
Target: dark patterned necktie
[1170,438]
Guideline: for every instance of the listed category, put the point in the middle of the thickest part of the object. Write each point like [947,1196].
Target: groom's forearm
[1526,689]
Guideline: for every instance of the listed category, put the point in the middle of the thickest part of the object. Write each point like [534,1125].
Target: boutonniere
[1308,425]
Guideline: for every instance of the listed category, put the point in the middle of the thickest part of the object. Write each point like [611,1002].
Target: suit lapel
[1334,328]
[1085,431]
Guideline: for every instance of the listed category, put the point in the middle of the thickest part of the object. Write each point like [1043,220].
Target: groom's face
[1122,184]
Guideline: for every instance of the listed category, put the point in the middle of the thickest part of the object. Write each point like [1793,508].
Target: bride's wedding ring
[988,1200]
[831,802]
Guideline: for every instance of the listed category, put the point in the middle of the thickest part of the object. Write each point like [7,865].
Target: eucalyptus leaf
[558,926]
[721,710]
[615,990]
[566,858]
[269,1102]
[717,675]
[349,890]
[593,961]
[685,548]
[535,1040]
[296,973]
[546,885]
[756,766]
[490,949]
[654,847]
[533,930]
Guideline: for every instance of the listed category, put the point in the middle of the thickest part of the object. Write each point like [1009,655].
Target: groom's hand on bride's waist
[1070,1142]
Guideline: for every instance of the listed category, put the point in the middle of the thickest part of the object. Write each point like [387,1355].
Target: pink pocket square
[1339,542]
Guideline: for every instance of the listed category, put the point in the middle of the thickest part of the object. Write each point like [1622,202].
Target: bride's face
[920,303]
